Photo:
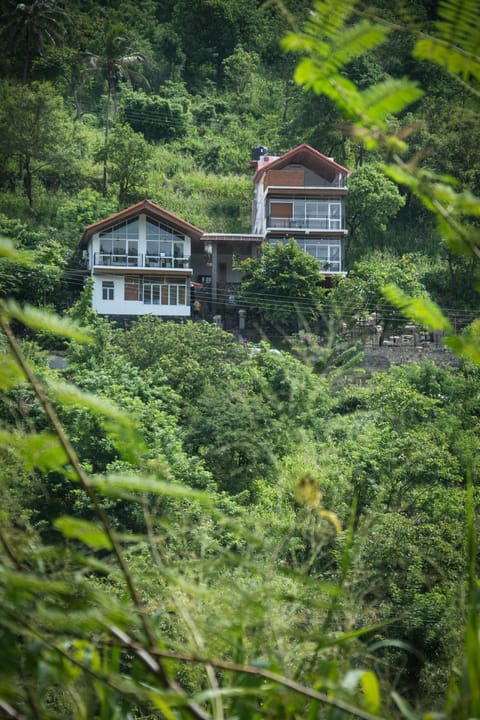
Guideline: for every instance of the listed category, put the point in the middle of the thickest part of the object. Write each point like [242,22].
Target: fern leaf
[457,44]
[353,42]
[116,485]
[37,450]
[9,251]
[83,530]
[421,310]
[458,24]
[11,374]
[37,319]
[391,96]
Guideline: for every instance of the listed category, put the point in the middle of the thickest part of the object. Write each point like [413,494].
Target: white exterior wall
[119,306]
[260,223]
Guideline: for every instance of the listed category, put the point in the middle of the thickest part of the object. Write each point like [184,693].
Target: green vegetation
[191,528]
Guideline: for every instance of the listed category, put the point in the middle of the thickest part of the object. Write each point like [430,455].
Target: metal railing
[146,261]
[320,223]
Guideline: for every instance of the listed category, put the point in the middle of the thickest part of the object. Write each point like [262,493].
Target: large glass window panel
[173,295]
[106,245]
[153,247]
[299,208]
[122,231]
[335,216]
[156,230]
[119,246]
[328,252]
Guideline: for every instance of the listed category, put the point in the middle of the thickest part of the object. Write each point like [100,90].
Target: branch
[84,481]
[258,672]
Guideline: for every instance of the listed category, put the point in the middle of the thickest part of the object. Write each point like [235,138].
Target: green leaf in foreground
[70,395]
[9,251]
[11,374]
[421,310]
[117,484]
[87,532]
[37,450]
[120,428]
[37,319]
[467,345]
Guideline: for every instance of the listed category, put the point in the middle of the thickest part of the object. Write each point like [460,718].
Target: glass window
[164,242]
[121,241]
[320,214]
[327,251]
[128,230]
[108,290]
[167,292]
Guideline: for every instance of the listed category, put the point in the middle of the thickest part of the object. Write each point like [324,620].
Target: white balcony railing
[310,223]
[139,261]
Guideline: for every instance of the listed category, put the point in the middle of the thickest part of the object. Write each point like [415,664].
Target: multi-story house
[146,260]
[140,262]
[301,194]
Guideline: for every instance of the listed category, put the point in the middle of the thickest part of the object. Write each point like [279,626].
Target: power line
[290,304]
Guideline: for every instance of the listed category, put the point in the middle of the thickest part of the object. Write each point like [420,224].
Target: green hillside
[194,527]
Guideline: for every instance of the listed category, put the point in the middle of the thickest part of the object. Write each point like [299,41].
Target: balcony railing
[311,223]
[139,261]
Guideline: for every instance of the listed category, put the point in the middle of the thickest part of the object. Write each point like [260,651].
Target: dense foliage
[192,526]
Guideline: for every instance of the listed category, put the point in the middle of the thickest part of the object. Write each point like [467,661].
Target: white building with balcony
[145,260]
[139,260]
[302,194]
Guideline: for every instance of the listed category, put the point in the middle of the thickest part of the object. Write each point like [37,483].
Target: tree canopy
[194,527]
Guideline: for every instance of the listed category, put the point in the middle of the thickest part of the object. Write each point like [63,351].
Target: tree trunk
[27,181]
[105,147]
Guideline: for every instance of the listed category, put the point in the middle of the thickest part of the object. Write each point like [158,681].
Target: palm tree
[115,63]
[30,26]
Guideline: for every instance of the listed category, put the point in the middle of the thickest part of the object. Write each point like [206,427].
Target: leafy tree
[360,294]
[40,141]
[188,355]
[38,281]
[373,200]
[129,155]
[29,27]
[75,213]
[210,32]
[116,62]
[156,116]
[239,70]
[283,288]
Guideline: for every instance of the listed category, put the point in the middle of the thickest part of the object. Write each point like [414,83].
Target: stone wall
[378,357]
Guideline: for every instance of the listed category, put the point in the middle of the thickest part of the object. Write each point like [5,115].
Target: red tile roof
[148,208]
[303,154]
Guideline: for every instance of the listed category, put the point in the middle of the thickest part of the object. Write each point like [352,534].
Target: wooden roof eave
[144,207]
[304,155]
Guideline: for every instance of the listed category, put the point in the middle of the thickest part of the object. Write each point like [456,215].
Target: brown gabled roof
[304,155]
[148,208]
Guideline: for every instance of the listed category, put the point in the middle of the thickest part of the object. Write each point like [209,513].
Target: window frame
[108,290]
